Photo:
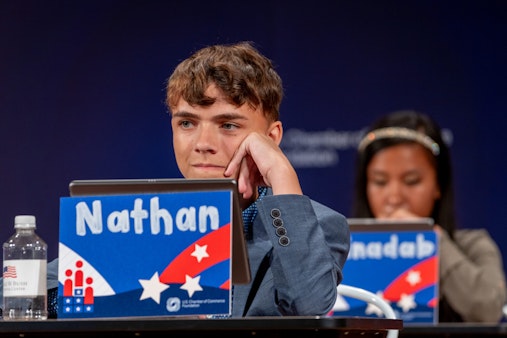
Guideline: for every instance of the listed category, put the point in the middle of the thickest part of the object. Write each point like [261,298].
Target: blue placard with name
[163,254]
[400,267]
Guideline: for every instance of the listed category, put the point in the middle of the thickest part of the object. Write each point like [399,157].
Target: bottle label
[25,277]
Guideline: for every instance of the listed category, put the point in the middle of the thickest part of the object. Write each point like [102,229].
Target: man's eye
[229,126]
[186,124]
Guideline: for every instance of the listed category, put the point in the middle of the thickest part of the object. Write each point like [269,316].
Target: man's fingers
[235,161]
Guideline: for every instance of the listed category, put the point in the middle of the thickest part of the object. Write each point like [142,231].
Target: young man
[224,103]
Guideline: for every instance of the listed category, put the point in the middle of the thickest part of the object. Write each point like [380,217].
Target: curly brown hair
[239,70]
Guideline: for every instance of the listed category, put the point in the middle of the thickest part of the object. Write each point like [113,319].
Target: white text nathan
[202,218]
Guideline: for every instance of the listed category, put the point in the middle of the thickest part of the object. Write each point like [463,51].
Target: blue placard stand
[400,267]
[145,255]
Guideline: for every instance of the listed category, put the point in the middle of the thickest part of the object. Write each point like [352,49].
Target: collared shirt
[250,212]
[248,218]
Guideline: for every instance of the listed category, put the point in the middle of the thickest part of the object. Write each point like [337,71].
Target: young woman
[404,171]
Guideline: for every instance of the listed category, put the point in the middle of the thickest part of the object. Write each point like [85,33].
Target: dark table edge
[195,324]
[456,328]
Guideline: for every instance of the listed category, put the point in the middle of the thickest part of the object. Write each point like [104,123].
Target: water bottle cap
[24,222]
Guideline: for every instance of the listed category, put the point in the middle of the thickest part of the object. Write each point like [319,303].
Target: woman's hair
[238,70]
[407,126]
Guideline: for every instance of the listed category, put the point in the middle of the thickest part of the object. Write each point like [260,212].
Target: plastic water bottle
[25,273]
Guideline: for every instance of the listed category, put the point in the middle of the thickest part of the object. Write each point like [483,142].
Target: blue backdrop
[82,90]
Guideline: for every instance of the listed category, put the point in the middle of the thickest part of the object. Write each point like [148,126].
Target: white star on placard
[406,302]
[200,252]
[191,285]
[152,288]
[413,277]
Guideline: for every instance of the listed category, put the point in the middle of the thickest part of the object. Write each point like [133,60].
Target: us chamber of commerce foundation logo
[173,304]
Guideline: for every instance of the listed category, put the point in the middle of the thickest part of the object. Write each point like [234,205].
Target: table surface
[168,324]
[455,330]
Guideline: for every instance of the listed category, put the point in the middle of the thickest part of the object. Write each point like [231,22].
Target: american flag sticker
[9,271]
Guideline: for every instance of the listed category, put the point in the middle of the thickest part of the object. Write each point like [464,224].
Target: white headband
[403,133]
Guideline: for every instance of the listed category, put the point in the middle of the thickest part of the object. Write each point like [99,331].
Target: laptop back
[368,224]
[397,260]
[164,246]
[240,263]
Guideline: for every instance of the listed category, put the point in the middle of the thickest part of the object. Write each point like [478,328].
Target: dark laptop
[240,265]
[398,261]
[384,224]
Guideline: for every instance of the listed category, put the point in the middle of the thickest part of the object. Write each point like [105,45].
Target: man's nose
[206,139]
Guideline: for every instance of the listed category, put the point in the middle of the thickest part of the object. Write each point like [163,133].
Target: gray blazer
[298,277]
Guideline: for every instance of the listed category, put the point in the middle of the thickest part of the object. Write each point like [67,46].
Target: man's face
[205,138]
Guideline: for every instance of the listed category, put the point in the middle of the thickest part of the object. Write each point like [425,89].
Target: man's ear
[275,131]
